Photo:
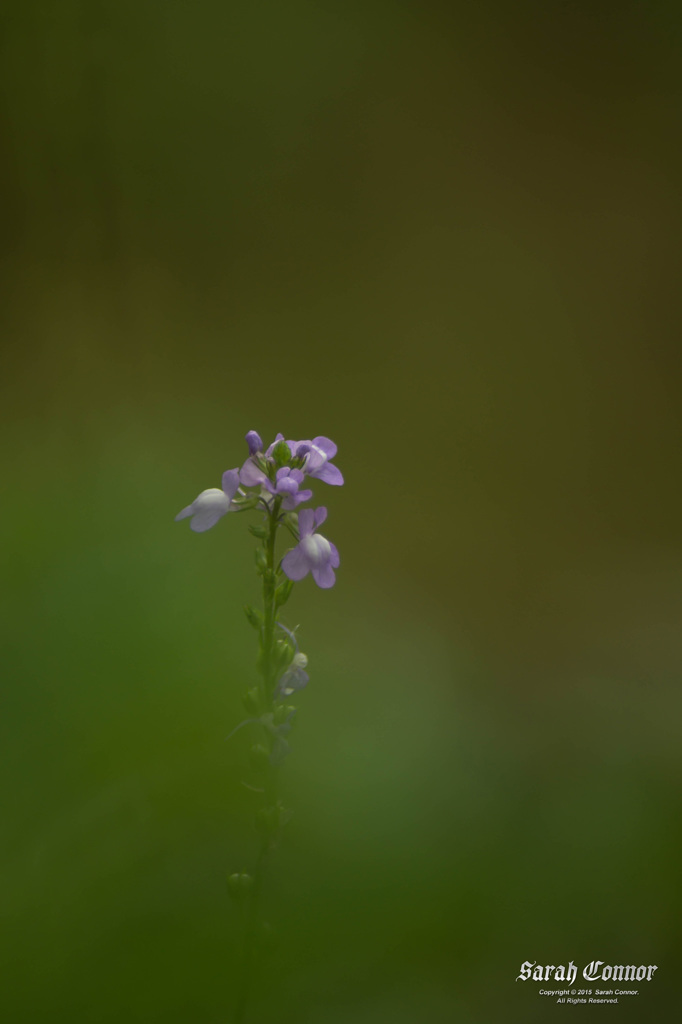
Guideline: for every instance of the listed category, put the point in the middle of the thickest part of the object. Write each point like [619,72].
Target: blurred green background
[448,237]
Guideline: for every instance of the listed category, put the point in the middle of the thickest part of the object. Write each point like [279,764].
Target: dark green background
[448,237]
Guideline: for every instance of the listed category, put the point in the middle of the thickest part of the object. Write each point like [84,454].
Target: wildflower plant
[274,483]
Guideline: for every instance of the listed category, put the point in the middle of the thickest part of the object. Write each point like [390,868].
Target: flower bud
[261,561]
[281,453]
[258,531]
[254,442]
[239,886]
[283,654]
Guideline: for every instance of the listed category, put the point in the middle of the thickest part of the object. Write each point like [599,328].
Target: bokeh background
[448,237]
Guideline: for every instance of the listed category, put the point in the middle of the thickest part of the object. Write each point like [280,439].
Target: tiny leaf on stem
[283,592]
[254,616]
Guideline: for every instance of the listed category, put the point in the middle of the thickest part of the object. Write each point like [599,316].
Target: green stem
[269,583]
[270,796]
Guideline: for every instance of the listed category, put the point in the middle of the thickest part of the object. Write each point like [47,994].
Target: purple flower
[313,553]
[212,505]
[287,484]
[316,455]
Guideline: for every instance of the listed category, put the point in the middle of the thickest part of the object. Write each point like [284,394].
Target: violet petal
[295,564]
[250,475]
[327,446]
[306,522]
[324,576]
[231,482]
[329,474]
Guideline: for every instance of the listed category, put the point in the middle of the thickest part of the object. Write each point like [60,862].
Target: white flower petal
[206,509]
[203,521]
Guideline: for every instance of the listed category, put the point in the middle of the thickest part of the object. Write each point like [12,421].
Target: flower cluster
[312,457]
[274,480]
